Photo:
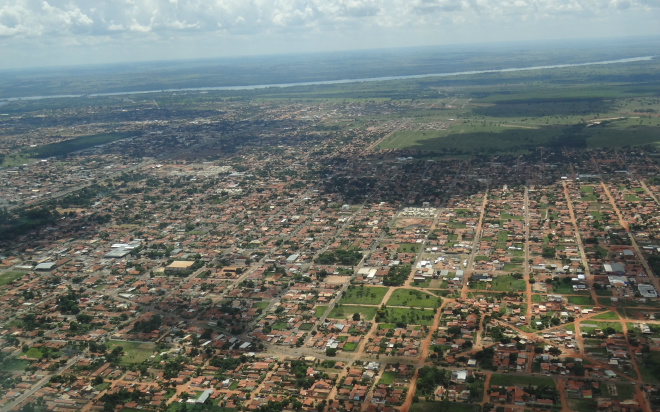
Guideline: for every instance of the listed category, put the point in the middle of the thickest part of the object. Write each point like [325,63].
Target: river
[325,82]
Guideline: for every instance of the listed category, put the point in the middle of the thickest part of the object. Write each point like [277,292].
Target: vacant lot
[319,311]
[508,283]
[8,277]
[413,298]
[347,311]
[408,316]
[508,380]
[134,352]
[363,295]
[438,406]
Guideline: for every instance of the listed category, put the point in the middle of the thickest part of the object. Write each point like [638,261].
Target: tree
[330,351]
[356,317]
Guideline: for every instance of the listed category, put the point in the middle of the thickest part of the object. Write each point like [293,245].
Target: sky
[41,33]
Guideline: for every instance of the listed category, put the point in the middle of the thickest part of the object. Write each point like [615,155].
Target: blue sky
[63,32]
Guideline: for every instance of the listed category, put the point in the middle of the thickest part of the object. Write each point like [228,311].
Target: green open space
[134,352]
[350,346]
[363,295]
[407,316]
[510,380]
[649,367]
[33,353]
[506,283]
[413,298]
[262,304]
[279,325]
[319,311]
[623,390]
[13,364]
[387,378]
[445,407]
[580,300]
[629,303]
[581,405]
[589,325]
[347,311]
[609,315]
[453,224]
[306,326]
[102,386]
[409,248]
[8,277]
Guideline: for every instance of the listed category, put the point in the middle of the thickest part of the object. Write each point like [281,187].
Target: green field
[409,248]
[279,325]
[580,300]
[387,378]
[319,311]
[599,325]
[408,316]
[363,295]
[350,346]
[505,283]
[508,380]
[609,315]
[439,406]
[134,352]
[33,353]
[582,405]
[413,298]
[347,311]
[13,364]
[8,277]
[649,367]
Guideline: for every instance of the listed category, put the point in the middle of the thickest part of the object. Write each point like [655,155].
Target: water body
[330,82]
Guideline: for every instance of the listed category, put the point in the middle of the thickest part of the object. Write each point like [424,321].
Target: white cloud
[35,18]
[312,23]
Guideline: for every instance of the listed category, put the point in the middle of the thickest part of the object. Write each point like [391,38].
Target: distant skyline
[40,33]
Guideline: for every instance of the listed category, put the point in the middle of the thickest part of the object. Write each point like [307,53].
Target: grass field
[505,283]
[413,298]
[649,367]
[508,380]
[261,305]
[319,311]
[623,391]
[387,378]
[438,406]
[279,325]
[582,405]
[307,326]
[134,352]
[347,311]
[609,315]
[13,364]
[8,277]
[363,295]
[350,346]
[580,300]
[410,247]
[33,353]
[409,316]
[599,325]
